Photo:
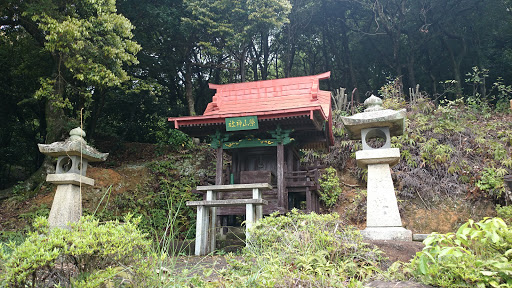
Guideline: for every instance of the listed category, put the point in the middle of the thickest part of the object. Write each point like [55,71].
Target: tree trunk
[266,54]
[348,57]
[56,125]
[410,70]
[242,64]
[189,89]
[97,108]
[456,63]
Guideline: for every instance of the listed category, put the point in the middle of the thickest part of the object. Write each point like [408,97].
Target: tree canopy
[127,65]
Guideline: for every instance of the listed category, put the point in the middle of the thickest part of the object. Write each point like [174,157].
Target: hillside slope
[454,157]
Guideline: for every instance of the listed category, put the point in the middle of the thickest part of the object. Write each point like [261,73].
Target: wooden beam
[235,187]
[227,202]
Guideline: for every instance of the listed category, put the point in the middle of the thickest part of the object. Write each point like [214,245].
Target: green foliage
[435,153]
[36,212]
[175,188]
[491,181]
[454,150]
[92,42]
[478,255]
[302,249]
[175,139]
[91,255]
[392,94]
[505,213]
[330,187]
[160,202]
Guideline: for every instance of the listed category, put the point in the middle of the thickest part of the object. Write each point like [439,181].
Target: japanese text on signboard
[241,123]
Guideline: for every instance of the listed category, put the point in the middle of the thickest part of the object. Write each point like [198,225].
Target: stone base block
[387,233]
[419,237]
[66,207]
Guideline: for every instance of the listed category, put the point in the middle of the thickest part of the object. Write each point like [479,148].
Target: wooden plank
[228,202]
[235,187]
[300,184]
[268,194]
[259,176]
[240,210]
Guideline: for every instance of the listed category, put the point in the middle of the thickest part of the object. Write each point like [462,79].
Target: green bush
[491,181]
[330,188]
[302,250]
[505,213]
[175,139]
[89,254]
[478,255]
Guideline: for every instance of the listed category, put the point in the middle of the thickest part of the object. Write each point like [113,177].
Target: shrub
[330,188]
[175,139]
[505,213]
[303,250]
[478,255]
[491,181]
[90,254]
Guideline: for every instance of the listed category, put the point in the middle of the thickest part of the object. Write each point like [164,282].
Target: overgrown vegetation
[161,201]
[478,255]
[452,151]
[306,250]
[330,189]
[89,254]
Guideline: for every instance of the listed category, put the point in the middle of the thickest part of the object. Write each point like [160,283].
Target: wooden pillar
[201,245]
[256,194]
[310,201]
[210,195]
[282,199]
[235,166]
[289,159]
[218,181]
[218,172]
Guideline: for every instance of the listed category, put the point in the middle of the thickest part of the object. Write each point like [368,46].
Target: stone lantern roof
[374,116]
[75,145]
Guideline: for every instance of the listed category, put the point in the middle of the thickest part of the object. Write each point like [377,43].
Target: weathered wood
[289,159]
[300,184]
[202,230]
[218,170]
[206,212]
[239,210]
[228,202]
[211,196]
[258,176]
[310,206]
[282,200]
[235,187]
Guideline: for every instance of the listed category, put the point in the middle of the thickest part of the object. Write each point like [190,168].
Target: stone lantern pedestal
[374,127]
[73,156]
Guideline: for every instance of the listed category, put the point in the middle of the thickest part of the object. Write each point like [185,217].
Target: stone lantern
[375,127]
[72,158]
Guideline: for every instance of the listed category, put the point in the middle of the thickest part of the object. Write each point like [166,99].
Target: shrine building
[262,126]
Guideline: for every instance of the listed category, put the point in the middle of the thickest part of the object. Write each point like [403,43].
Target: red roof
[266,99]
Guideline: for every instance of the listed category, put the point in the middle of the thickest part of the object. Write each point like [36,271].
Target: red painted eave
[262,115]
[267,99]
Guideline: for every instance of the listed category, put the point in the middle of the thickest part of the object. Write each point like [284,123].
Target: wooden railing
[307,178]
[305,181]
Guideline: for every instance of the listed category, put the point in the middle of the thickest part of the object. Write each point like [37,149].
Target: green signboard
[242,123]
